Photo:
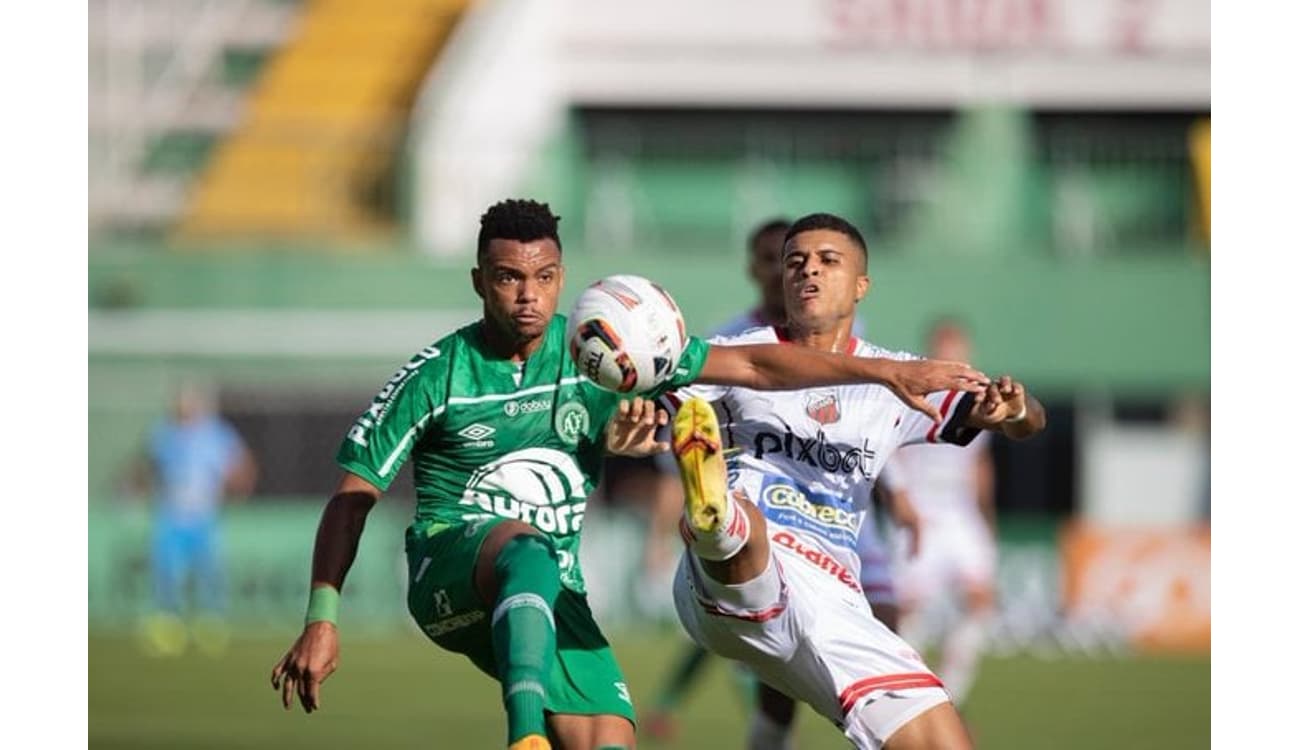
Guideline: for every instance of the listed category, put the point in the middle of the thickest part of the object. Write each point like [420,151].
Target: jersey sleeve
[688,368]
[381,439]
[954,407]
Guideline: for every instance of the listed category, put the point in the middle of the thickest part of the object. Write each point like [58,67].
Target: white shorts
[812,637]
[957,552]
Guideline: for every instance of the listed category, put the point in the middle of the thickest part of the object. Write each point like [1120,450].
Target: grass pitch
[403,692]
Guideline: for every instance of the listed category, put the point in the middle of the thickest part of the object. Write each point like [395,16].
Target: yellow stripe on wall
[323,124]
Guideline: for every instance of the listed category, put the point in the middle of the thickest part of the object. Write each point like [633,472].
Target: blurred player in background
[771,574]
[508,442]
[951,489]
[194,460]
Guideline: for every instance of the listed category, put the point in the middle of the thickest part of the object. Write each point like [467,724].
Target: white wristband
[1024,412]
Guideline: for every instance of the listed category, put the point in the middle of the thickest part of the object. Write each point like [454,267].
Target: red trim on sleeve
[860,689]
[943,414]
[782,335]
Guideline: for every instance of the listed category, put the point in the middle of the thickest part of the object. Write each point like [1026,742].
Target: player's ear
[476,278]
[863,285]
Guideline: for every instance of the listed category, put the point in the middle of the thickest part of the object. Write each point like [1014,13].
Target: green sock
[523,631]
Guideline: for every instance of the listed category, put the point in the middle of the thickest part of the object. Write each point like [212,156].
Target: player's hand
[1013,395]
[312,659]
[1000,401]
[913,380]
[631,432]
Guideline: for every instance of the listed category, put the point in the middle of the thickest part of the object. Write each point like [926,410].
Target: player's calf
[725,531]
[523,634]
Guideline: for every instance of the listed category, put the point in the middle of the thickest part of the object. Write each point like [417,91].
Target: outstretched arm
[774,367]
[314,656]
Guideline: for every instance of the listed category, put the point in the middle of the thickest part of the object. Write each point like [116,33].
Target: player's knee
[614,733]
[526,552]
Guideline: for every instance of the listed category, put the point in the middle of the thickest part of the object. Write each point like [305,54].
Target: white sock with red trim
[961,656]
[726,540]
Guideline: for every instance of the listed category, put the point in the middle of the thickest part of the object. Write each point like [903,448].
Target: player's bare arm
[314,656]
[1005,406]
[905,518]
[777,367]
[242,476]
[631,431]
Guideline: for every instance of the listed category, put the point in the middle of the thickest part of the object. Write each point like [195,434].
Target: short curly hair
[832,222]
[518,219]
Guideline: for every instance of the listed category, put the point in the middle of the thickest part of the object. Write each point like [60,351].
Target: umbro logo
[476,431]
[477,435]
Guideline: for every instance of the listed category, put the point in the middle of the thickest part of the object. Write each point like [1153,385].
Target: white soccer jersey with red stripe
[809,458]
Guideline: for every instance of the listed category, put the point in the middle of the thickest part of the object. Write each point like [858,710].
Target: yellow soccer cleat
[697,443]
[532,742]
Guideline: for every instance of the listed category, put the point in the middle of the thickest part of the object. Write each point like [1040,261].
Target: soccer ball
[626,334]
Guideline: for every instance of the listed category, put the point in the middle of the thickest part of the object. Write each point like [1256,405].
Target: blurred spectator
[193,460]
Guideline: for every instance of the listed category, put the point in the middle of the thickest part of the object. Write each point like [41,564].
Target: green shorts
[584,677]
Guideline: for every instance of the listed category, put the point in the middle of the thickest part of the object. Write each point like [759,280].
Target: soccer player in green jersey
[506,439]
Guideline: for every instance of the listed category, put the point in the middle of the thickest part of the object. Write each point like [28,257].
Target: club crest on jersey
[571,422]
[823,408]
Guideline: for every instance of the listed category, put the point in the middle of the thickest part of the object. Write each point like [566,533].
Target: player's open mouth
[809,291]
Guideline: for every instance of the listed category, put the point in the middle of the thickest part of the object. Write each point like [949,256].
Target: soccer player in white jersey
[951,489]
[774,713]
[771,575]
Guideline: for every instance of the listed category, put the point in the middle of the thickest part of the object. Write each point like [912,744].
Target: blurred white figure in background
[951,489]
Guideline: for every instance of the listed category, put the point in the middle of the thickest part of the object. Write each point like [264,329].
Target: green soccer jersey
[495,438]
